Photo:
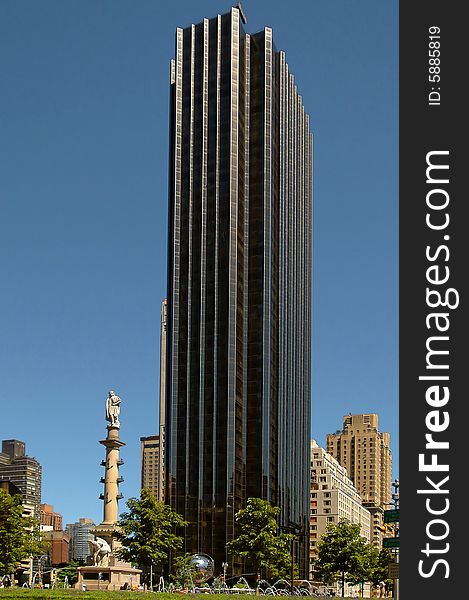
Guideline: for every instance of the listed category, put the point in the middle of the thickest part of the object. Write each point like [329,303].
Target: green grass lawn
[70,593]
[104,595]
[58,594]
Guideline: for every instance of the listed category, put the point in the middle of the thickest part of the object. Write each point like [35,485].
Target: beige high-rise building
[333,497]
[149,465]
[366,454]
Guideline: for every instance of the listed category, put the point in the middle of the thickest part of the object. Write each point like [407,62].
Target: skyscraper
[366,454]
[150,456]
[79,535]
[23,471]
[239,285]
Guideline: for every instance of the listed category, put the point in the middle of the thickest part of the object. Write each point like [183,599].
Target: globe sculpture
[204,567]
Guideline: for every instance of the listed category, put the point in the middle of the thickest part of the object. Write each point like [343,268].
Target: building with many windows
[239,285]
[23,471]
[366,454]
[50,518]
[333,498]
[79,535]
[150,465]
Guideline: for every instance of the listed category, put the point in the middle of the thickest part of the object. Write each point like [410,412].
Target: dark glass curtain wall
[239,285]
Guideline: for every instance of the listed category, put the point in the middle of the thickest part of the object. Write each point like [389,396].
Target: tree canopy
[19,535]
[381,570]
[185,571]
[259,540]
[70,572]
[146,532]
[343,553]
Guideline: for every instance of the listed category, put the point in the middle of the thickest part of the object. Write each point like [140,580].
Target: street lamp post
[40,568]
[224,566]
[292,574]
[31,571]
[296,530]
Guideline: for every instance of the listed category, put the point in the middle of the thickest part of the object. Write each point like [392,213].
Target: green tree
[146,533]
[70,572]
[380,571]
[259,541]
[185,571]
[344,554]
[365,564]
[19,535]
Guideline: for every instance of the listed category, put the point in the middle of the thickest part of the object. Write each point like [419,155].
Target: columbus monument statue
[113,409]
[105,570]
[113,445]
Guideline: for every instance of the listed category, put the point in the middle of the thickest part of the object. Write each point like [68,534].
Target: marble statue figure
[113,409]
[100,551]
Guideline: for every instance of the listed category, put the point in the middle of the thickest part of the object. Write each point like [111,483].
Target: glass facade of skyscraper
[239,285]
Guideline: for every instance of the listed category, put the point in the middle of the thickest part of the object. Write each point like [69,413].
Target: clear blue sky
[83,194]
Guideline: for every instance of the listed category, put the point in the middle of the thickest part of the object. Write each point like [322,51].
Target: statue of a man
[113,408]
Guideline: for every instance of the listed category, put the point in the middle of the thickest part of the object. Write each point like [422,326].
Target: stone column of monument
[111,479]
[106,570]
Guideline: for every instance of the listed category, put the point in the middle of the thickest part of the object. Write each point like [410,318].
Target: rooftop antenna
[242,14]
